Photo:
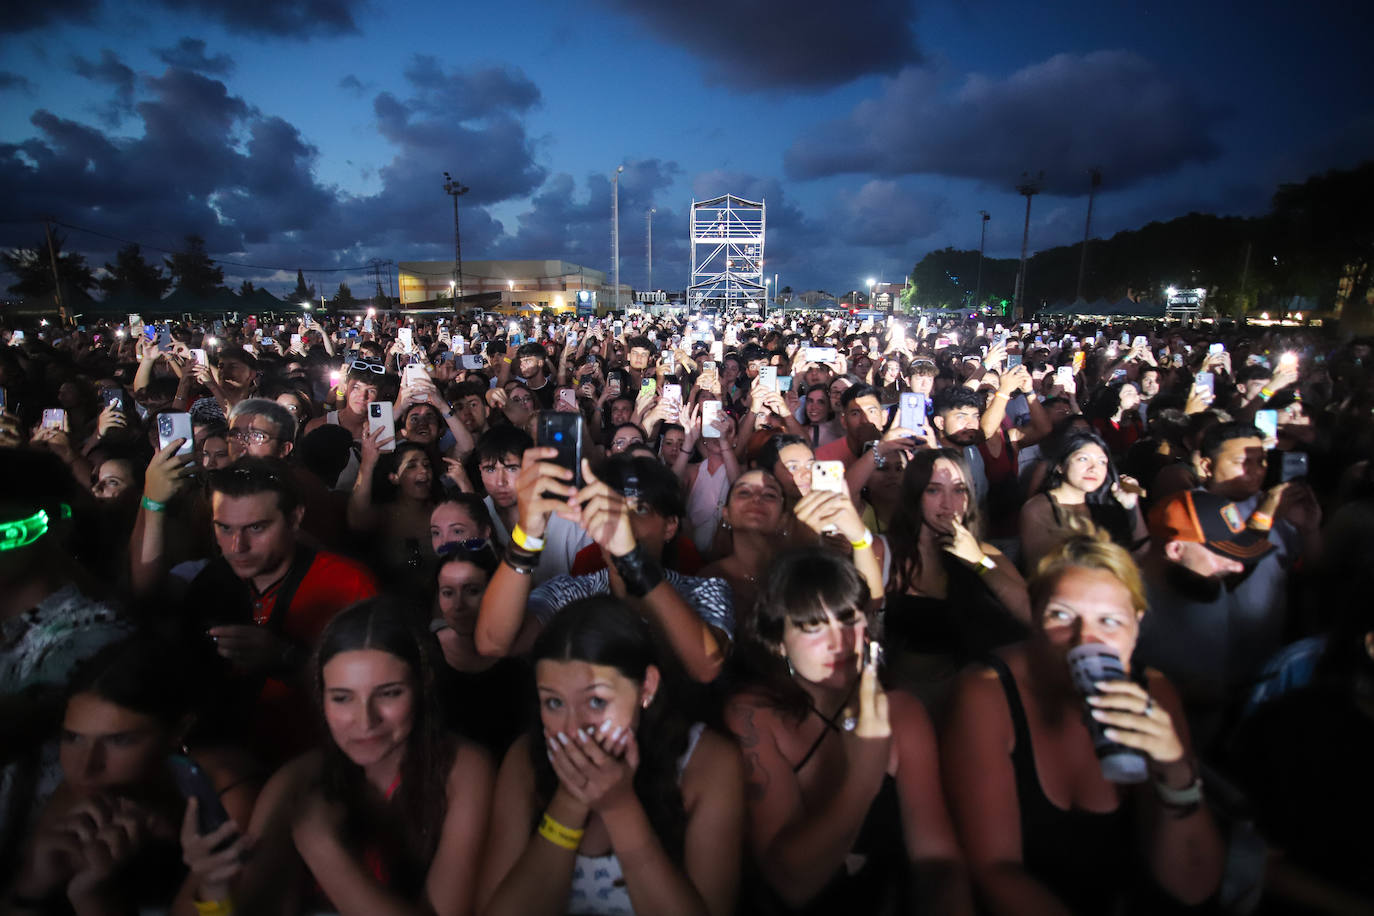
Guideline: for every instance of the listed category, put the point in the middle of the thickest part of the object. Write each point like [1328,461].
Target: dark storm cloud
[113,72]
[352,84]
[25,17]
[1112,109]
[199,159]
[303,19]
[15,81]
[770,44]
[468,94]
[883,213]
[190,53]
[562,222]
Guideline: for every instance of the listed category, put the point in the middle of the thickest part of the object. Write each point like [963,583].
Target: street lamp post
[615,232]
[649,273]
[1094,180]
[871,284]
[456,189]
[1029,187]
[982,242]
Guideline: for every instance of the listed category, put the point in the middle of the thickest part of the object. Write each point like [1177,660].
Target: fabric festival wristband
[559,835]
[1266,393]
[526,541]
[213,907]
[1261,521]
[865,541]
[153,505]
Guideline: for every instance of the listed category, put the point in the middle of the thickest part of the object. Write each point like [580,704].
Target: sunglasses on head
[363,366]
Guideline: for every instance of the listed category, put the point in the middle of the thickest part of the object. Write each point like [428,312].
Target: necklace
[848,723]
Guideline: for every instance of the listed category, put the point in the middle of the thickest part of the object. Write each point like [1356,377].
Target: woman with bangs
[1083,483]
[845,812]
[613,804]
[1044,830]
[951,596]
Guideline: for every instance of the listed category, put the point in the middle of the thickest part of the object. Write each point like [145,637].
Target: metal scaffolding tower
[727,253]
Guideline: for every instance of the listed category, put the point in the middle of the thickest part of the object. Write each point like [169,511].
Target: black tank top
[874,876]
[1083,857]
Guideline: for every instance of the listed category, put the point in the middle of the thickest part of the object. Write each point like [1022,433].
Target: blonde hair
[1085,547]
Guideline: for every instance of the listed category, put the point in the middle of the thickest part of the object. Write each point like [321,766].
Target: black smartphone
[193,783]
[112,397]
[1293,466]
[563,431]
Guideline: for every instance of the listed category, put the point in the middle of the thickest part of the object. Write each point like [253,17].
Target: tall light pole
[1094,181]
[649,273]
[456,189]
[615,232]
[982,243]
[777,290]
[871,283]
[1029,187]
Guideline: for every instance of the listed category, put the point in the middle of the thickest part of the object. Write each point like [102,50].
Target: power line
[361,268]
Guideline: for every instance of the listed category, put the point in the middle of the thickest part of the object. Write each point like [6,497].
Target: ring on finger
[1149,706]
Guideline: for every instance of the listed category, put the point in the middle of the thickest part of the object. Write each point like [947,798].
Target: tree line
[1316,242]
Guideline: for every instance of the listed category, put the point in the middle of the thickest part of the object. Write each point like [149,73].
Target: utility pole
[1095,180]
[56,277]
[1244,275]
[456,189]
[615,233]
[649,279]
[1029,187]
[982,243]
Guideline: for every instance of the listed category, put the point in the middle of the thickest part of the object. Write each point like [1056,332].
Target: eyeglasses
[362,366]
[252,436]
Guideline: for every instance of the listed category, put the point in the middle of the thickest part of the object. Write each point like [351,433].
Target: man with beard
[1217,575]
[862,419]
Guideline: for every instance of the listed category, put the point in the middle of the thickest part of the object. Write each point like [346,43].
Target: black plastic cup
[1089,664]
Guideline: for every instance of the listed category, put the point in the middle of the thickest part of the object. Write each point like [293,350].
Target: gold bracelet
[560,835]
[214,907]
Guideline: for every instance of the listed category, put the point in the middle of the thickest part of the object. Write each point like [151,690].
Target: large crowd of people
[694,613]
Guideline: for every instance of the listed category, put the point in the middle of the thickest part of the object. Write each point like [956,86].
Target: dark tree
[33,269]
[247,289]
[343,299]
[302,293]
[132,275]
[194,271]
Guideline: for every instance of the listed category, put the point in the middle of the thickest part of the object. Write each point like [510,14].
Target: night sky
[313,133]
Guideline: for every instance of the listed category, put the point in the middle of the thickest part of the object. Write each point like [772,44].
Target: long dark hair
[603,631]
[904,531]
[803,586]
[411,824]
[1073,441]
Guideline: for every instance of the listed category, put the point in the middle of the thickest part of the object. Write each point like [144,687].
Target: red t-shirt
[285,718]
[838,450]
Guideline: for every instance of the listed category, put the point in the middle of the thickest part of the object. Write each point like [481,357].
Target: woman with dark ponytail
[614,804]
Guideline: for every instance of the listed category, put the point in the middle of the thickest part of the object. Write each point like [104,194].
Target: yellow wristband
[1266,393]
[526,541]
[1261,521]
[558,834]
[865,541]
[213,907]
